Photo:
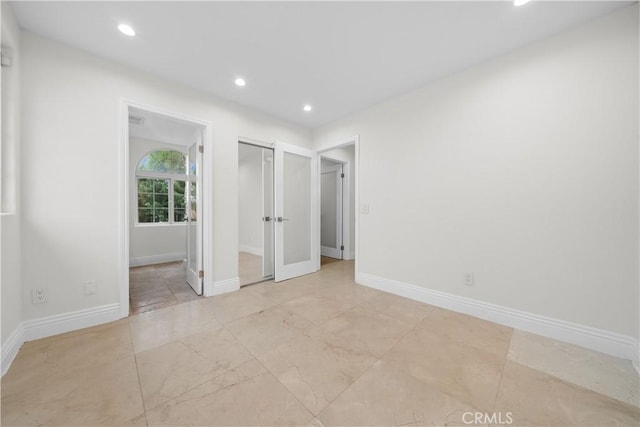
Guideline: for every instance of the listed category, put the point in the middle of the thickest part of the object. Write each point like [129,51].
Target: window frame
[163,176]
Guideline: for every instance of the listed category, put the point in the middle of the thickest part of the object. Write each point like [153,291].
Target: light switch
[364,208]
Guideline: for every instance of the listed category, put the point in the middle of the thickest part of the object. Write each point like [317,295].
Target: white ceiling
[337,56]
[157,127]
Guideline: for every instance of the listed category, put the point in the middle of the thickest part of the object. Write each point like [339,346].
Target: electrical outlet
[38,296]
[90,287]
[469,279]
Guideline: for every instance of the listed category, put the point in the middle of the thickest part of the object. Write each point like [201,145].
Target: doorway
[338,172]
[163,231]
[331,208]
[256,245]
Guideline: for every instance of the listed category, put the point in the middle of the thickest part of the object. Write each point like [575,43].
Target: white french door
[194,219]
[331,211]
[296,214]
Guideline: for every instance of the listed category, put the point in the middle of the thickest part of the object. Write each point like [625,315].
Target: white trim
[222,287]
[11,347]
[157,259]
[636,360]
[251,249]
[585,336]
[60,323]
[123,189]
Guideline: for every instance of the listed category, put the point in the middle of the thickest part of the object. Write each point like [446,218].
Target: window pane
[179,200]
[161,186]
[164,161]
[178,215]
[145,215]
[145,185]
[161,201]
[161,215]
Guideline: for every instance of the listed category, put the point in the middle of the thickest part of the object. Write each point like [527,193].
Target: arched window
[161,176]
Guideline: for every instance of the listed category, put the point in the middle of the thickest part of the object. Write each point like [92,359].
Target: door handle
[267,218]
[280,219]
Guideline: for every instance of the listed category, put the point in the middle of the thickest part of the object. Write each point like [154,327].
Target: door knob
[266,218]
[280,219]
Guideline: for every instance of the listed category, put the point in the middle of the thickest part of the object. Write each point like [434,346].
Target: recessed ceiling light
[307,108]
[240,82]
[127,30]
[520,2]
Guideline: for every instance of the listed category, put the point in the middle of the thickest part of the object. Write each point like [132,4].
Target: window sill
[160,224]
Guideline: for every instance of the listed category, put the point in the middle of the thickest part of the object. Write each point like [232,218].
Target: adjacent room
[159,243]
[320,213]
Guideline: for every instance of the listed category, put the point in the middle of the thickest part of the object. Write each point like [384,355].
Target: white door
[331,211]
[296,177]
[194,216]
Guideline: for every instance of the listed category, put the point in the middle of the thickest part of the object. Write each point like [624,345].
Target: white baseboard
[11,347]
[156,259]
[585,336]
[60,323]
[43,327]
[251,249]
[222,287]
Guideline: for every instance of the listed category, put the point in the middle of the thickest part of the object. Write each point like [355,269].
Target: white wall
[250,227]
[70,186]
[523,169]
[150,244]
[10,155]
[348,154]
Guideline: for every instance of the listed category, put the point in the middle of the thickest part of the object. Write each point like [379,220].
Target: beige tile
[469,374]
[158,327]
[281,292]
[172,369]
[152,297]
[316,367]
[267,329]
[234,305]
[537,399]
[478,333]
[386,396]
[244,396]
[169,302]
[347,291]
[105,394]
[366,330]
[400,308]
[595,371]
[42,359]
[317,308]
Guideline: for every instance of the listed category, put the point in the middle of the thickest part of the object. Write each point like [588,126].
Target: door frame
[123,196]
[342,199]
[353,172]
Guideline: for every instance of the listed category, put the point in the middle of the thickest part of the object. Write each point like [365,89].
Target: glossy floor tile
[595,371]
[312,351]
[537,399]
[152,287]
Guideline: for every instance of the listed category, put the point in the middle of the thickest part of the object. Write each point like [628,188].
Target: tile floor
[157,286]
[317,350]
